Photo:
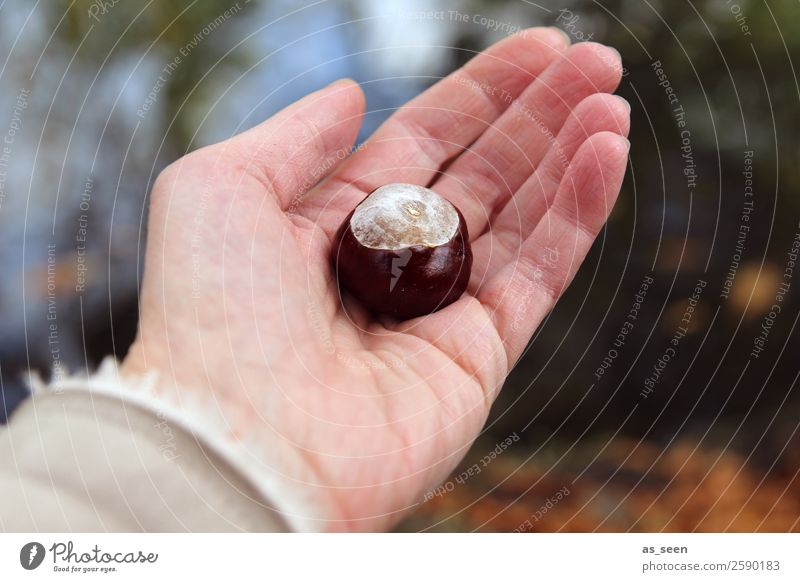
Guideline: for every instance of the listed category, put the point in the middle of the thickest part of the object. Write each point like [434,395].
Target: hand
[360,417]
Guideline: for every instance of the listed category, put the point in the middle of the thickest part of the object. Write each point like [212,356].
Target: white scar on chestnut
[398,216]
[403,251]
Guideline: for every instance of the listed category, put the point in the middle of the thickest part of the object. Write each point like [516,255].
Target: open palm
[357,417]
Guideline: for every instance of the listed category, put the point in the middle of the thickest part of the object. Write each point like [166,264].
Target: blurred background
[601,425]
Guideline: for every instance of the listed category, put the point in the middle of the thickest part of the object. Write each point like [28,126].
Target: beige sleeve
[86,460]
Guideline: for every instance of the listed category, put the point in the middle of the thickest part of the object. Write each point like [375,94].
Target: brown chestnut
[403,251]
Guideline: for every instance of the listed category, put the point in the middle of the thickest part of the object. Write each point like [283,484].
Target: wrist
[237,417]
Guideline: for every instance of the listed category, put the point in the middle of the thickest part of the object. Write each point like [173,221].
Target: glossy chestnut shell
[406,280]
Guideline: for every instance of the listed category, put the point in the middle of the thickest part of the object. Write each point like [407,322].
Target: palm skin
[358,417]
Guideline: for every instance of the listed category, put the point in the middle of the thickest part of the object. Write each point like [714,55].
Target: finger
[421,136]
[524,291]
[298,146]
[516,221]
[481,180]
[465,333]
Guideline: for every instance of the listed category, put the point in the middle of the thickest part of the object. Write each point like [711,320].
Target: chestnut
[403,251]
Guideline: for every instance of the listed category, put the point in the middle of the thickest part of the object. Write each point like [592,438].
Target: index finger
[414,143]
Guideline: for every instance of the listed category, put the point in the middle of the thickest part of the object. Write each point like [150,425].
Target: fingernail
[567,39]
[341,81]
[625,101]
[619,55]
[627,141]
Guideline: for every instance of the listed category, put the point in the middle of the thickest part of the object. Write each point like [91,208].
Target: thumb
[301,144]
